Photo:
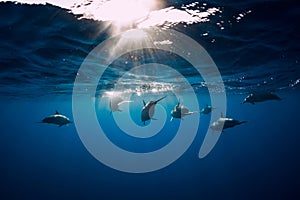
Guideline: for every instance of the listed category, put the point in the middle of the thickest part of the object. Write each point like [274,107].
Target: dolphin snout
[159,99]
[243,122]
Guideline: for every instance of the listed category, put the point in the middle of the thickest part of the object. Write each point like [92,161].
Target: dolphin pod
[179,111]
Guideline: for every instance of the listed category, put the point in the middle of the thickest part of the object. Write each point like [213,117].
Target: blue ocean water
[42,48]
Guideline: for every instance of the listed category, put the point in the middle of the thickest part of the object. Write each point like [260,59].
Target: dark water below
[256,160]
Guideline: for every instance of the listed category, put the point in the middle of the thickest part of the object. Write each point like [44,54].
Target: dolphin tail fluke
[243,122]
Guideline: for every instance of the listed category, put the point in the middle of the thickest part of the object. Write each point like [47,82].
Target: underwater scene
[150,99]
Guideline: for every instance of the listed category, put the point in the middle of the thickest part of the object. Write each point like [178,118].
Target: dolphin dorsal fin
[56,112]
[144,102]
[222,116]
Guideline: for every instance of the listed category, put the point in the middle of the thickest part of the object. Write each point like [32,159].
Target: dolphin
[225,122]
[115,102]
[145,87]
[260,97]
[180,111]
[148,110]
[57,118]
[206,110]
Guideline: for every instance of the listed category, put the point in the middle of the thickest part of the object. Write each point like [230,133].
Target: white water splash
[140,13]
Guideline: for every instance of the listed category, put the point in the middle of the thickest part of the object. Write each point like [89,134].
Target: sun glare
[136,34]
[125,12]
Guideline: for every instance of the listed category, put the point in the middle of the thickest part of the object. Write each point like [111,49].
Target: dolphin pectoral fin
[171,119]
[144,102]
[119,110]
[60,125]
[252,102]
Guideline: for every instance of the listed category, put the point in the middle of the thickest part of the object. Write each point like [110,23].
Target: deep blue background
[257,160]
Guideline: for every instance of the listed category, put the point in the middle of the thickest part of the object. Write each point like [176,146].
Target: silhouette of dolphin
[225,122]
[115,102]
[57,118]
[260,97]
[148,110]
[180,111]
[206,110]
